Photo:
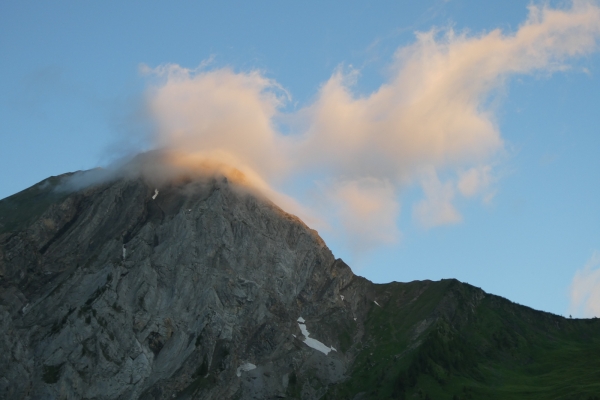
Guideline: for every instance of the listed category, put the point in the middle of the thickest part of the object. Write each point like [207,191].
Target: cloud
[436,209]
[432,117]
[474,180]
[585,289]
[367,210]
[220,114]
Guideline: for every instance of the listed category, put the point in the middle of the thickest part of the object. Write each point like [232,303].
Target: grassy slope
[476,348]
[20,209]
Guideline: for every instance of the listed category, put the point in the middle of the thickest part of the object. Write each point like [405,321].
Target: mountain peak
[120,286]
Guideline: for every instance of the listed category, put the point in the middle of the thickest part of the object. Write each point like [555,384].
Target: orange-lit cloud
[430,119]
[220,114]
[366,210]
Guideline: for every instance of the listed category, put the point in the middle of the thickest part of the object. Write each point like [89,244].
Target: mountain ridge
[198,292]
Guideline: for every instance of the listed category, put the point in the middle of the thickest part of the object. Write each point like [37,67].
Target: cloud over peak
[430,119]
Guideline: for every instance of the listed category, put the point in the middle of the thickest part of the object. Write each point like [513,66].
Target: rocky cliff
[198,288]
[195,288]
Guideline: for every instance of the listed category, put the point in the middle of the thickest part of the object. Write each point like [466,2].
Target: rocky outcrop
[195,292]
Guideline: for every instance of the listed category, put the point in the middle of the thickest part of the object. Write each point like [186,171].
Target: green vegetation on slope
[449,340]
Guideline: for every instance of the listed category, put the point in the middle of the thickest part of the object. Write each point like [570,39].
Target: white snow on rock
[245,368]
[376,303]
[342,296]
[304,330]
[313,343]
[124,252]
[155,194]
[355,319]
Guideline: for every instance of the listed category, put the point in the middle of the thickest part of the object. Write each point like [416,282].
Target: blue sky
[79,87]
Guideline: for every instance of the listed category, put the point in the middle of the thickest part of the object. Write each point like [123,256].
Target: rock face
[118,292]
[200,289]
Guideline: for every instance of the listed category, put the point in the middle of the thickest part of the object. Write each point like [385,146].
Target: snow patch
[342,296]
[245,368]
[304,330]
[155,194]
[310,342]
[124,252]
[315,344]
[355,319]
[376,303]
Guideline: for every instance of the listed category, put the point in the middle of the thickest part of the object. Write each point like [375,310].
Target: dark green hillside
[20,209]
[453,341]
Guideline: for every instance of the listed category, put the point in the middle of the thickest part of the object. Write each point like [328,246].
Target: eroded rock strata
[116,292]
[200,289]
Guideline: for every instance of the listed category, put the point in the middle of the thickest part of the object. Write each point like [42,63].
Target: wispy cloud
[432,118]
[436,208]
[474,180]
[585,289]
[366,209]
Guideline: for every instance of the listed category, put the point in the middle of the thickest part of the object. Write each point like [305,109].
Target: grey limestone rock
[114,293]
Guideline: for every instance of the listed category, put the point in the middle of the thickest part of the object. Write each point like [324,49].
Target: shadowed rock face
[110,293]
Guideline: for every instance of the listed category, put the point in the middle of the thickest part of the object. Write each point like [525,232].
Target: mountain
[199,288]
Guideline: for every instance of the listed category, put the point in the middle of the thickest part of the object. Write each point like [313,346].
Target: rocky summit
[198,288]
